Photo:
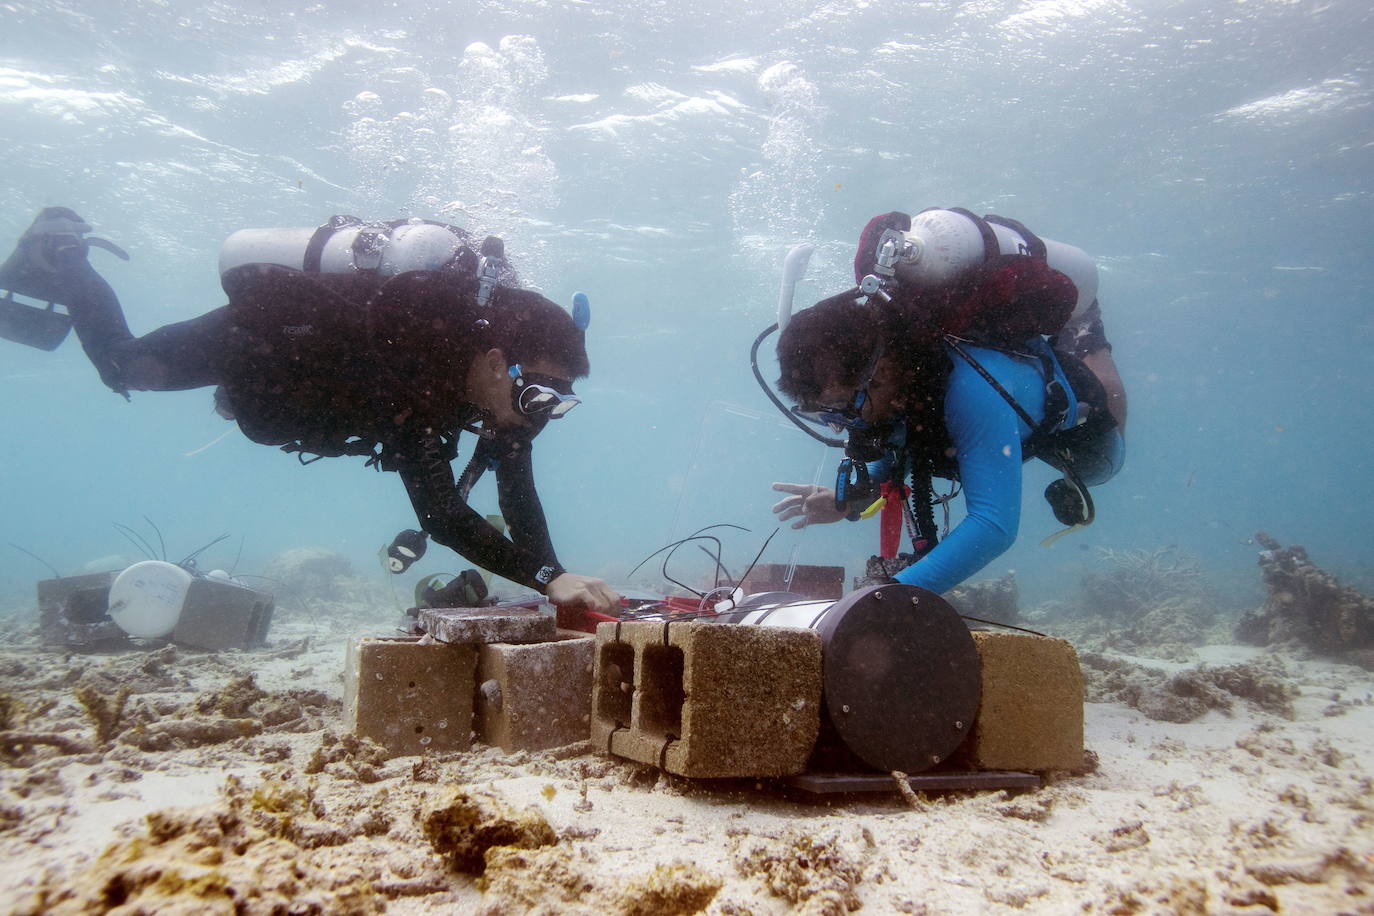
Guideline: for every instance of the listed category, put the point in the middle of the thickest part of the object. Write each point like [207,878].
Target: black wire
[238,555]
[754,364]
[720,567]
[998,623]
[694,536]
[195,553]
[160,542]
[663,571]
[759,554]
[130,534]
[37,557]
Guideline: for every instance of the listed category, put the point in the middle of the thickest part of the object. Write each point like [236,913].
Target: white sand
[1248,813]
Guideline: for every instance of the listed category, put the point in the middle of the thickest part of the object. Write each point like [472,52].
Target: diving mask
[535,394]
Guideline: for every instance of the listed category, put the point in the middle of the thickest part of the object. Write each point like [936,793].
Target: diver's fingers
[801,522]
[791,512]
[800,489]
[791,502]
[610,599]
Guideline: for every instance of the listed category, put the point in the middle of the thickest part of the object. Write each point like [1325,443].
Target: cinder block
[74,610]
[1030,716]
[221,615]
[408,696]
[707,700]
[532,697]
[807,581]
[487,624]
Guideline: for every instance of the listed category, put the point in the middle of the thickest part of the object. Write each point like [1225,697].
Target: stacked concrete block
[221,615]
[1030,716]
[487,625]
[535,696]
[410,696]
[707,700]
[74,610]
[806,581]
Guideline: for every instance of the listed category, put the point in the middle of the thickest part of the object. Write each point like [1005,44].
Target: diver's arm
[1104,367]
[524,515]
[519,500]
[986,434]
[452,522]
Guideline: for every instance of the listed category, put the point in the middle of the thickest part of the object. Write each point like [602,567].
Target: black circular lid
[902,676]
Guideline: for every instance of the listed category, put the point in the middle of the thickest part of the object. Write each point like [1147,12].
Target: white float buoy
[146,599]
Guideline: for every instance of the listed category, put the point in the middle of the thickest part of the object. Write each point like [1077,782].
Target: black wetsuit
[300,364]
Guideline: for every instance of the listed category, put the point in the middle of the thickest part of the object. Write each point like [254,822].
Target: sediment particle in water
[462,825]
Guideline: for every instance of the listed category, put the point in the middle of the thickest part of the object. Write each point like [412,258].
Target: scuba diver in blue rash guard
[378,340]
[969,346]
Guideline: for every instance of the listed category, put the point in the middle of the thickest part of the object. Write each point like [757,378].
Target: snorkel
[793,268]
[861,445]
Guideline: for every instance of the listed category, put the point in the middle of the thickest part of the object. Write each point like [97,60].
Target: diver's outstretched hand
[572,590]
[815,505]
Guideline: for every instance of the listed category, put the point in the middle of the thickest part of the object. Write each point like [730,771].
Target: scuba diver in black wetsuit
[383,340]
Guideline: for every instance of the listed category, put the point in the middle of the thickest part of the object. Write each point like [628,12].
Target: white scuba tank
[944,244]
[387,249]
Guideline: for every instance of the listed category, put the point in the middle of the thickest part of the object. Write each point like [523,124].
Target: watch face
[544,576]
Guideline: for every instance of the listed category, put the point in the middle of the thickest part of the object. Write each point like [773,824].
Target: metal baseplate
[950,781]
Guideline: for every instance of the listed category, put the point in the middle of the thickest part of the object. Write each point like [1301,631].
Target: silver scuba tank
[346,245]
[942,244]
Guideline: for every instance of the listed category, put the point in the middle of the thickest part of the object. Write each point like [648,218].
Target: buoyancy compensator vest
[350,321]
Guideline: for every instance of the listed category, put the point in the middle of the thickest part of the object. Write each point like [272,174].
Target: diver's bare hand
[815,505]
[572,590]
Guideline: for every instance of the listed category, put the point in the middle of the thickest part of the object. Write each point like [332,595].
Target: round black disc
[902,676]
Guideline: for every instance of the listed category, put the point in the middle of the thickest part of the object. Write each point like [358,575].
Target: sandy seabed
[170,781]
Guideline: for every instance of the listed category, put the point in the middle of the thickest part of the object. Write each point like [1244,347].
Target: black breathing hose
[754,364]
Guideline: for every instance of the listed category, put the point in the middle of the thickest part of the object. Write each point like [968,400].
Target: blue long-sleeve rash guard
[986,434]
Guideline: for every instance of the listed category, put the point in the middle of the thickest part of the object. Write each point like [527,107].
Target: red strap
[890,520]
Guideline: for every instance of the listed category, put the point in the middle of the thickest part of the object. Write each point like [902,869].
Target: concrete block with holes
[1030,715]
[533,697]
[707,700]
[409,696]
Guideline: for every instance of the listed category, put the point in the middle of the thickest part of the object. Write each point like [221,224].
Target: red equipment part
[890,519]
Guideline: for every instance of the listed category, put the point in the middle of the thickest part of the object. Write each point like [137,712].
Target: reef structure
[1306,605]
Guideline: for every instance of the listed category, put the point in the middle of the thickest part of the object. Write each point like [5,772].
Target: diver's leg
[187,354]
[50,264]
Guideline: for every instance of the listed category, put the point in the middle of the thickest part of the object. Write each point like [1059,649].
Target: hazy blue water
[1218,159]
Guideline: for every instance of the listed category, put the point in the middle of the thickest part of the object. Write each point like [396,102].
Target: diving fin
[43,328]
[34,270]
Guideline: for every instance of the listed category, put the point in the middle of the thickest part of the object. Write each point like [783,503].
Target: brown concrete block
[1030,716]
[807,581]
[74,610]
[221,615]
[408,696]
[532,697]
[707,700]
[487,624]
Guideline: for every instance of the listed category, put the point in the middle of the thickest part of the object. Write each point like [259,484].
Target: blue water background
[1216,158]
